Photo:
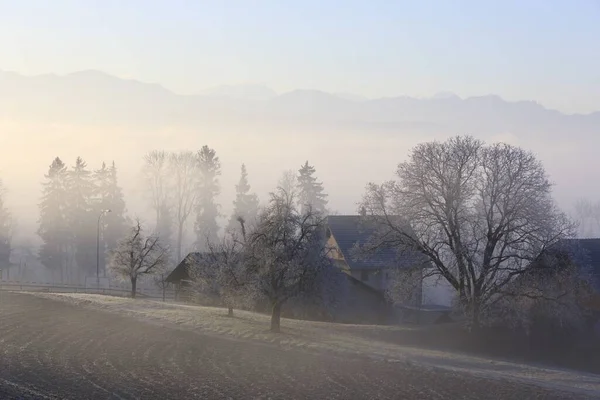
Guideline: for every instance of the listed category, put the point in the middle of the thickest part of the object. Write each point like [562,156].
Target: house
[368,276]
[374,270]
[181,276]
[346,233]
[585,255]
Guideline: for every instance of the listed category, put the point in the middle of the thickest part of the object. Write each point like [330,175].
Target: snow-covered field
[319,336]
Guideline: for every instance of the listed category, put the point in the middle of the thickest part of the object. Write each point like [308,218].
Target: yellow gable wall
[336,254]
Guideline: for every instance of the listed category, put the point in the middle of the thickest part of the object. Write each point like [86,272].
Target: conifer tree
[310,191]
[53,227]
[81,219]
[109,196]
[207,210]
[245,204]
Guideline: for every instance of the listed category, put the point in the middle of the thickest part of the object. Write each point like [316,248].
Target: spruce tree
[117,221]
[245,204]
[207,210]
[53,227]
[82,220]
[310,192]
[109,196]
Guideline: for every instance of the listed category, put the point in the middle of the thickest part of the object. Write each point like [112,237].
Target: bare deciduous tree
[405,285]
[160,280]
[138,255]
[480,214]
[222,272]
[285,253]
[184,171]
[288,182]
[155,174]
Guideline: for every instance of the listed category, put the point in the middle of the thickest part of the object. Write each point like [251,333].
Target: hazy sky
[530,49]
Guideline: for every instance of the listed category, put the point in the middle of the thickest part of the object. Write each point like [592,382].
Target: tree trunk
[164,292]
[276,317]
[230,311]
[179,240]
[475,317]
[133,287]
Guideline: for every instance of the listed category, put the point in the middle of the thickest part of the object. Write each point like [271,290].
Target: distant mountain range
[98,98]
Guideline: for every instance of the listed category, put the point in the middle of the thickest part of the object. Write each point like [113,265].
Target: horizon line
[340,95]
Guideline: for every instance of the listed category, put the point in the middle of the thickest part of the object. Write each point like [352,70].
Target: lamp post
[102,213]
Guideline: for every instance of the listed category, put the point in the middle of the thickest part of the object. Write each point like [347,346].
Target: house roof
[182,271]
[585,253]
[351,231]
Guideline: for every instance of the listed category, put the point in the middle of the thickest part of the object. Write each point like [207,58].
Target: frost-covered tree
[480,214]
[156,180]
[138,255]
[285,253]
[5,229]
[288,182]
[207,208]
[222,272]
[53,224]
[183,167]
[310,192]
[160,280]
[165,226]
[81,217]
[245,204]
[549,298]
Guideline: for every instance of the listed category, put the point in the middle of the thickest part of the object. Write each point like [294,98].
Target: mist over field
[292,200]
[350,141]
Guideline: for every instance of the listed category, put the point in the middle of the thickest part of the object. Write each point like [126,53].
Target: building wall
[437,291]
[363,306]
[376,278]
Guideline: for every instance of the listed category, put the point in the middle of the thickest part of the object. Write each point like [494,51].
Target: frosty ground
[74,345]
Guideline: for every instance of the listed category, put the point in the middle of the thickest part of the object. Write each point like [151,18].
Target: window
[364,275]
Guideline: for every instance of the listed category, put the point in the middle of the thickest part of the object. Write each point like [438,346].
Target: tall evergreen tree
[310,192]
[207,209]
[245,204]
[53,227]
[109,196]
[5,229]
[81,219]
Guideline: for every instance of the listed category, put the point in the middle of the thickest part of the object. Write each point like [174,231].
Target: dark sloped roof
[585,253]
[181,272]
[350,231]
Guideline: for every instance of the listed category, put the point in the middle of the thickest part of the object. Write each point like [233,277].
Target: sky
[547,51]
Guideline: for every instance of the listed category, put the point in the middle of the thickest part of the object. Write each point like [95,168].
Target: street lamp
[102,213]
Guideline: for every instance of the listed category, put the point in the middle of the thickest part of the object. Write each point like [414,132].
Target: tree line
[281,256]
[480,215]
[72,212]
[183,187]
